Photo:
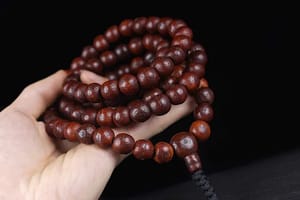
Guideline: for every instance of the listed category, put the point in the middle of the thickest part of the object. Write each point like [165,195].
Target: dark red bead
[151,93]
[201,130]
[100,43]
[160,104]
[151,25]
[178,71]
[112,34]
[164,66]
[143,149]
[139,111]
[176,54]
[59,128]
[103,137]
[104,117]
[196,47]
[204,112]
[204,95]
[139,25]
[148,77]
[108,58]
[85,133]
[111,75]
[162,44]
[123,143]
[168,83]
[77,63]
[76,114]
[136,64]
[190,80]
[177,94]
[174,26]
[183,42]
[89,116]
[125,27]
[198,57]
[89,52]
[186,31]
[69,89]
[92,92]
[148,58]
[147,42]
[71,131]
[156,39]
[136,46]
[79,93]
[197,68]
[184,144]
[121,116]
[128,84]
[162,26]
[122,52]
[162,52]
[163,152]
[94,65]
[110,90]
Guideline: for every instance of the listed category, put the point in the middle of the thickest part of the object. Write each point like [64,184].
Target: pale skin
[34,166]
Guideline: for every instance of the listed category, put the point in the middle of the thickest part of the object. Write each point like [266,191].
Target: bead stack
[156,65]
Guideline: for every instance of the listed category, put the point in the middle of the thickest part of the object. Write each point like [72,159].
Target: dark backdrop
[250,49]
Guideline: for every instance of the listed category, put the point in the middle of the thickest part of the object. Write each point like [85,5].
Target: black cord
[202,181]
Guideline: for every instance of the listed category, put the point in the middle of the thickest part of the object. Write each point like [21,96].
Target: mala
[150,63]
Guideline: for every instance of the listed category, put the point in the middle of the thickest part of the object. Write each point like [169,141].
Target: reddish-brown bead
[123,143]
[163,152]
[104,117]
[186,31]
[103,137]
[176,54]
[108,58]
[204,95]
[122,52]
[164,66]
[143,149]
[121,116]
[136,64]
[139,25]
[178,71]
[100,43]
[162,26]
[168,83]
[174,26]
[190,80]
[151,25]
[148,77]
[71,131]
[89,116]
[59,128]
[128,84]
[94,65]
[77,63]
[125,27]
[193,162]
[198,57]
[147,42]
[197,68]
[183,42]
[159,104]
[136,46]
[89,52]
[204,112]
[92,92]
[150,94]
[184,144]
[177,94]
[112,34]
[201,130]
[79,93]
[85,133]
[110,90]
[139,111]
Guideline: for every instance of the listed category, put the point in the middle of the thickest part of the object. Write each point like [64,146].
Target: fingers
[90,77]
[36,97]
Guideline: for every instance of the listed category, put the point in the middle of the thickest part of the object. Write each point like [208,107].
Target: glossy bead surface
[123,143]
[163,152]
[89,52]
[143,149]
[136,64]
[136,46]
[174,26]
[92,92]
[122,52]
[139,25]
[139,111]
[108,58]
[71,131]
[100,43]
[150,94]
[79,93]
[148,58]
[162,26]
[168,83]
[147,42]
[201,130]
[204,112]
[85,133]
[177,54]
[110,90]
[125,27]
[193,162]
[104,117]
[184,144]
[182,41]
[59,128]
[190,80]
[128,84]
[186,31]
[111,75]
[112,34]
[151,25]
[121,116]
[204,95]
[177,94]
[103,137]
[197,68]
[178,71]
[148,77]
[94,65]
[160,104]
[77,63]
[198,57]
[89,116]
[76,114]
[164,66]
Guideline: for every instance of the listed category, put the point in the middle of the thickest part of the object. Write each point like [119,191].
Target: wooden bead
[94,65]
[92,92]
[164,66]
[79,93]
[201,130]
[168,83]
[204,112]
[193,162]
[178,71]
[151,25]
[123,143]
[148,77]
[128,84]
[112,34]
[125,27]
[50,127]
[69,89]
[143,149]
[89,116]
[162,52]
[110,90]
[186,31]
[162,44]
[139,111]
[190,80]
[89,52]
[139,25]
[100,43]
[148,58]
[177,54]
[174,26]
[177,94]
[182,41]
[147,42]
[104,117]
[156,39]
[122,52]
[162,26]
[163,152]
[160,104]
[108,58]
[76,114]
[85,133]
[204,95]
[136,64]
[71,131]
[184,144]
[198,57]
[103,137]
[111,75]
[197,68]
[136,46]
[59,128]
[121,116]
[77,63]
[150,94]
[196,47]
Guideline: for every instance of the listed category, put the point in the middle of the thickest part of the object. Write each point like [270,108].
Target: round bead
[108,58]
[162,52]
[143,149]
[182,41]
[123,143]
[103,137]
[79,93]
[94,65]
[148,58]
[100,43]
[150,94]
[198,57]
[184,144]
[190,80]
[71,131]
[147,42]
[136,64]
[156,39]
[139,25]
[85,133]
[204,112]
[148,77]
[122,52]
[168,83]
[136,46]
[174,26]
[139,111]
[128,84]
[125,27]
[76,114]
[177,94]
[121,116]
[164,66]
[112,34]
[186,31]
[110,90]
[59,128]
[151,25]
[197,68]
[204,95]
[92,92]
[77,63]
[160,104]
[104,117]
[111,75]
[89,116]
[178,71]
[176,54]
[201,130]
[162,44]
[163,152]
[69,89]
[162,26]
[196,47]
[89,52]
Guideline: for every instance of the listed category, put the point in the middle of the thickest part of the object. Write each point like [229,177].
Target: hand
[33,166]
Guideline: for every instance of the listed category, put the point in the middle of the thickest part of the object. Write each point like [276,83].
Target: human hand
[33,166]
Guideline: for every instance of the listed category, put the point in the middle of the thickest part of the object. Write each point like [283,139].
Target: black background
[250,50]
